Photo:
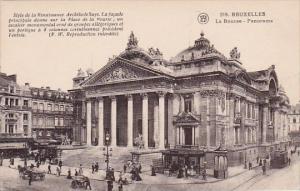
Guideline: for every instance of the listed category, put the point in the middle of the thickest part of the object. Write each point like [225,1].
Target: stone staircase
[95,154]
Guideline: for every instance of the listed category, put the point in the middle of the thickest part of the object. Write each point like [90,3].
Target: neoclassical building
[199,99]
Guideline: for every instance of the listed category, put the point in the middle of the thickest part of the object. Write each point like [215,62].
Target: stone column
[113,121]
[100,121]
[145,119]
[89,123]
[129,121]
[161,119]
[207,124]
[156,128]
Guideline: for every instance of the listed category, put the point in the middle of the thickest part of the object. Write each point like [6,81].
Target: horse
[21,170]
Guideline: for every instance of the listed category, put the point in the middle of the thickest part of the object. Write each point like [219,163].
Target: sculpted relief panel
[119,74]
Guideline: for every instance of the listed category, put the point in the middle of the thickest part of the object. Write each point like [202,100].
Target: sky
[170,26]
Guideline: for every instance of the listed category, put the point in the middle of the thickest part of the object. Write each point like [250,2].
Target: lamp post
[25,156]
[108,153]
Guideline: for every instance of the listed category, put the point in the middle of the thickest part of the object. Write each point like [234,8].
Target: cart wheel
[74,184]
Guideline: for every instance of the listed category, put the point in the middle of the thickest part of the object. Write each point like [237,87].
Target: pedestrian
[30,178]
[153,171]
[60,164]
[124,168]
[1,158]
[80,170]
[93,168]
[289,160]
[37,164]
[87,183]
[186,171]
[49,169]
[69,174]
[204,174]
[96,167]
[260,162]
[110,185]
[120,187]
[76,172]
[264,169]
[250,165]
[113,175]
[57,171]
[140,168]
[180,173]
[257,159]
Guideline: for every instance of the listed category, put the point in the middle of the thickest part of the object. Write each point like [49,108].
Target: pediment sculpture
[119,74]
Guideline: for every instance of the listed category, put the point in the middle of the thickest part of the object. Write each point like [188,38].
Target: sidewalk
[146,177]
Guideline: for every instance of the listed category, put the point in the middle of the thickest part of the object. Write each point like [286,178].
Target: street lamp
[108,152]
[25,156]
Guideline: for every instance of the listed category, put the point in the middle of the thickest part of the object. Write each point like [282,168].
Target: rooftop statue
[132,41]
[234,54]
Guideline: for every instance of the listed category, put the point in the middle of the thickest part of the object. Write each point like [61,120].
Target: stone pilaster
[265,123]
[197,102]
[113,121]
[100,121]
[89,123]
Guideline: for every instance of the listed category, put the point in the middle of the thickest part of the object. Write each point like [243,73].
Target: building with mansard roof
[29,114]
[199,101]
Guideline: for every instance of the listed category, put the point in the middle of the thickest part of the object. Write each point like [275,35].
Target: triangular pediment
[120,70]
[187,118]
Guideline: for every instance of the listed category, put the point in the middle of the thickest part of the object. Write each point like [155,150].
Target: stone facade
[28,112]
[199,99]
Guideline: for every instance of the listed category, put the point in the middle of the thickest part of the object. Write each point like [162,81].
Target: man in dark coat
[30,178]
[60,164]
[49,169]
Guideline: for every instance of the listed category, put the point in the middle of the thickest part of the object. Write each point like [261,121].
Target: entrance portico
[130,115]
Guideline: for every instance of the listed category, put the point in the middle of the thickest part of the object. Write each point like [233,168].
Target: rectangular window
[253,112]
[49,107]
[62,108]
[41,106]
[17,102]
[56,121]
[188,105]
[56,107]
[61,121]
[34,105]
[6,101]
[25,102]
[25,116]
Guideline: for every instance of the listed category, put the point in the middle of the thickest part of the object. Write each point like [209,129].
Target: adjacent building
[28,113]
[294,118]
[294,124]
[52,114]
[199,101]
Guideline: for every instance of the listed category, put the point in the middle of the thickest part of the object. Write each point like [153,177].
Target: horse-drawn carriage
[35,173]
[78,182]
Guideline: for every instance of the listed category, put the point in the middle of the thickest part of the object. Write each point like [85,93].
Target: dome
[201,49]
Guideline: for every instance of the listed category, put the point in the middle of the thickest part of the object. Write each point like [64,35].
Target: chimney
[27,84]
[47,88]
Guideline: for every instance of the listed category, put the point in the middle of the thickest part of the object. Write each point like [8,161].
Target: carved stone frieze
[212,93]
